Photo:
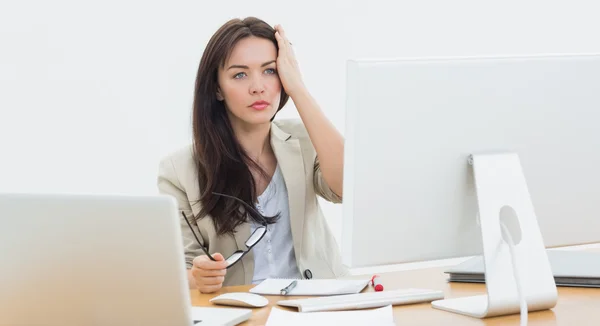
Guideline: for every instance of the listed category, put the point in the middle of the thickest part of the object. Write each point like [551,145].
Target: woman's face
[249,84]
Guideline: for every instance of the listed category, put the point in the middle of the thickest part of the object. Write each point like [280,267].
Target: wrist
[298,92]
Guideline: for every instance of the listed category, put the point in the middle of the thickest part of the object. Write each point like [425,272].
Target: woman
[246,75]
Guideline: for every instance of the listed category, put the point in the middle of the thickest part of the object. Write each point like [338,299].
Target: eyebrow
[246,67]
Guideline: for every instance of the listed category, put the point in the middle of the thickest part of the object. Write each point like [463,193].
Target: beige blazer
[314,245]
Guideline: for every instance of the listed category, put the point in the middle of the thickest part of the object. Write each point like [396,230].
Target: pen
[376,283]
[288,288]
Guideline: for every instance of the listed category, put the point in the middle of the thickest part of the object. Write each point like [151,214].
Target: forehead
[252,51]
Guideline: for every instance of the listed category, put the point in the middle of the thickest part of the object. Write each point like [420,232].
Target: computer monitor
[412,124]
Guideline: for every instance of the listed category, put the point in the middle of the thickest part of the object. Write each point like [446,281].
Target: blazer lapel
[289,157]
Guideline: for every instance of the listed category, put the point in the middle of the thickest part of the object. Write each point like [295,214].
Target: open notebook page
[310,287]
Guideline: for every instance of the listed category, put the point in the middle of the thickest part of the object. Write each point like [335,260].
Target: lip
[259,105]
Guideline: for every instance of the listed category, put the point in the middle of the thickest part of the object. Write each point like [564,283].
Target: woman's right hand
[207,274]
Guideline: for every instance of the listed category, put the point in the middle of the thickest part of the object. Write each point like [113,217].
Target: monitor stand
[503,197]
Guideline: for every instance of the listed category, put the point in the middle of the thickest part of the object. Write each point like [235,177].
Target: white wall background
[93,93]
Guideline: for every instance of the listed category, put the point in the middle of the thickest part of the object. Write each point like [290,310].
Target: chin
[259,117]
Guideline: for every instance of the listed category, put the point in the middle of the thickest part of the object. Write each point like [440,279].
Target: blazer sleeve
[168,184]
[321,187]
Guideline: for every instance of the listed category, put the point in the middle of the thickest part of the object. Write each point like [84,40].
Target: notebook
[570,268]
[321,287]
[380,317]
[364,300]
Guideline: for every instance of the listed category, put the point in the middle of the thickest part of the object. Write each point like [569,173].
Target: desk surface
[576,306]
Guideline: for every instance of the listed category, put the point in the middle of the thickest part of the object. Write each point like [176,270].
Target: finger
[203,259]
[281,31]
[213,265]
[280,42]
[284,36]
[217,256]
[281,38]
[210,288]
[197,272]
[198,259]
[216,280]
[287,45]
[221,263]
[209,264]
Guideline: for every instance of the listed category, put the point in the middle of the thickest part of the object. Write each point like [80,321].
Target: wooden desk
[576,306]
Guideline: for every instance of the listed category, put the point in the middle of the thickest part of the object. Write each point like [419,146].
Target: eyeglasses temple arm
[195,236]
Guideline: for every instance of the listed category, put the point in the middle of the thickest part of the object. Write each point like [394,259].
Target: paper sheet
[208,316]
[380,317]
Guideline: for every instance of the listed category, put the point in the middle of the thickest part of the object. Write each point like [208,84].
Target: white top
[274,254]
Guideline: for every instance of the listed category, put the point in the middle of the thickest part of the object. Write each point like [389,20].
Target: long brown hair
[222,165]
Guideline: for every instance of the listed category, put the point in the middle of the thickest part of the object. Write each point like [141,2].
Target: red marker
[376,283]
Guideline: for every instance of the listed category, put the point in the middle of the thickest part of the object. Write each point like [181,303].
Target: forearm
[328,142]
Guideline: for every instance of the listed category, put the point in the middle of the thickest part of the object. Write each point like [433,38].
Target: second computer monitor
[411,125]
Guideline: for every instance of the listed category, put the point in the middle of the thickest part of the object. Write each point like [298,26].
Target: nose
[257,86]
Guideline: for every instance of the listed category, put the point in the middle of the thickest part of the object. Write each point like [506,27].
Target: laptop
[97,260]
[570,268]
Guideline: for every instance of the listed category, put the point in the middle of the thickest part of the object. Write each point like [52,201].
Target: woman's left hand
[287,66]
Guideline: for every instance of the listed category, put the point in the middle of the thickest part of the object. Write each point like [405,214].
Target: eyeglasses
[254,238]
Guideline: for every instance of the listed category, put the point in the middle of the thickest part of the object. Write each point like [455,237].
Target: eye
[270,71]
[239,75]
